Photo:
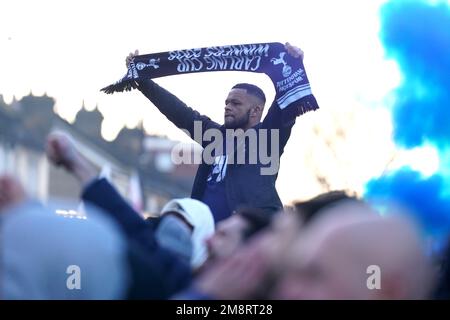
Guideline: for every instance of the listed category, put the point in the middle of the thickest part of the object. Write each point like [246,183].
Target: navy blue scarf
[286,72]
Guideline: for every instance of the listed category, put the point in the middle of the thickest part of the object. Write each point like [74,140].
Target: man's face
[321,265]
[238,106]
[227,238]
[274,240]
[314,271]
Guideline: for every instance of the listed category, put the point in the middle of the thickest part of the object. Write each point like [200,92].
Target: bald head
[341,250]
[391,246]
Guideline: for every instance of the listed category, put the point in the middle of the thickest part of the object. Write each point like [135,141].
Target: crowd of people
[319,249]
[232,239]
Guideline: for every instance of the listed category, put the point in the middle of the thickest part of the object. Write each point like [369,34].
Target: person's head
[310,209]
[59,254]
[174,233]
[290,223]
[244,106]
[197,218]
[234,231]
[338,253]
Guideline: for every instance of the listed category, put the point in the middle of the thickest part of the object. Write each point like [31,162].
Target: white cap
[200,217]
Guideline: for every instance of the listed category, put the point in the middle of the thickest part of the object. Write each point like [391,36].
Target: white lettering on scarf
[188,60]
[288,83]
[240,58]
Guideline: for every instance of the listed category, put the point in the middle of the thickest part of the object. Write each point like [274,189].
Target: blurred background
[379,69]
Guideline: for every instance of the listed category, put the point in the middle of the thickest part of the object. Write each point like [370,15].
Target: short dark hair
[307,210]
[257,220]
[252,89]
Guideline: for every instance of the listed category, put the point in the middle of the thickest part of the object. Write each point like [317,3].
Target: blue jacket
[245,185]
[156,272]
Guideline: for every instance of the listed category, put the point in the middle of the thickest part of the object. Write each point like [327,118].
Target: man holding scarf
[223,184]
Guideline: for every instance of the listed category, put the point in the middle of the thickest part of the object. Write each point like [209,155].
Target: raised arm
[62,152]
[173,108]
[283,120]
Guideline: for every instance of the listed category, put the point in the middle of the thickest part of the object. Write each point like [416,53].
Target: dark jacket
[156,272]
[245,185]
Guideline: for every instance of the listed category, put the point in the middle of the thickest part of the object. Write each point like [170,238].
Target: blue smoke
[425,198]
[417,35]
